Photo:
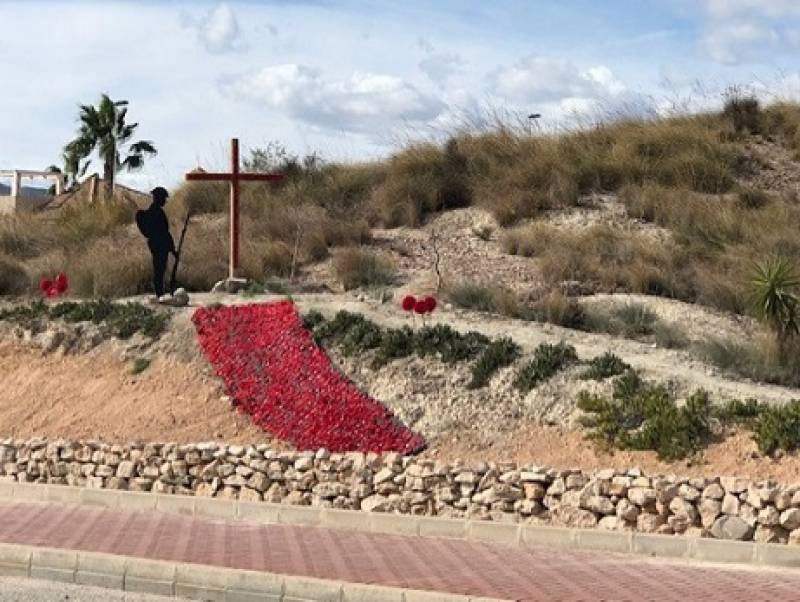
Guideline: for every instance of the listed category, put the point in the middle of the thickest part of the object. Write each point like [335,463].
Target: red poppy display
[275,373]
[56,287]
[61,283]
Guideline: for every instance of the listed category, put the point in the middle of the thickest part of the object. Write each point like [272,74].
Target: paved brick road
[428,564]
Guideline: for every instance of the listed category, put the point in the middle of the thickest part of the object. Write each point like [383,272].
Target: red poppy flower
[275,373]
[45,284]
[431,303]
[61,283]
[421,306]
[409,303]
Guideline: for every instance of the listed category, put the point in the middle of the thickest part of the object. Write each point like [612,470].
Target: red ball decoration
[431,303]
[409,303]
[61,283]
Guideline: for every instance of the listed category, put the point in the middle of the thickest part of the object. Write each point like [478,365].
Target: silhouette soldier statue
[153,224]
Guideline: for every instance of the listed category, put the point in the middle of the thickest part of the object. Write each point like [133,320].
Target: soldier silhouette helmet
[159,194]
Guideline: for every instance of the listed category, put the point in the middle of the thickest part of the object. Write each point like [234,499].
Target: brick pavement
[442,565]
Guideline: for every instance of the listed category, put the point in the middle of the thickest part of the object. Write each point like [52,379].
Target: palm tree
[774,285]
[103,128]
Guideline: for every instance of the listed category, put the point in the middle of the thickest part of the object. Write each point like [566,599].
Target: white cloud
[746,31]
[726,9]
[542,79]
[439,67]
[218,30]
[731,43]
[362,103]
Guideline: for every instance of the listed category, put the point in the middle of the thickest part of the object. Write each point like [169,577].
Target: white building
[16,200]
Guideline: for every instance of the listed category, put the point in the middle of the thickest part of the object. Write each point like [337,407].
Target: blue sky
[352,79]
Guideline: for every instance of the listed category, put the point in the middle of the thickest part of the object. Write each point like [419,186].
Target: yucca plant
[774,292]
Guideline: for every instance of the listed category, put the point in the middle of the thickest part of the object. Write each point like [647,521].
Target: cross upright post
[234,178]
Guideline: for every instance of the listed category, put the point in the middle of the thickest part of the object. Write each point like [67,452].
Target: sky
[353,80]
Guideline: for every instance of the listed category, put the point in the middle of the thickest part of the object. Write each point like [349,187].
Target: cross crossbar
[234,177]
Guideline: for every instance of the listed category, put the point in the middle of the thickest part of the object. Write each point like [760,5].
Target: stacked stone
[725,508]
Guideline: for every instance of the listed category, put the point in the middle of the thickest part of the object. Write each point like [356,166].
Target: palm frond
[145,147]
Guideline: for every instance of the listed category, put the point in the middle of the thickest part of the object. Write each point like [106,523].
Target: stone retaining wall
[726,508]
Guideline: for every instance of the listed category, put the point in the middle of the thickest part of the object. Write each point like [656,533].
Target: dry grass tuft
[357,267]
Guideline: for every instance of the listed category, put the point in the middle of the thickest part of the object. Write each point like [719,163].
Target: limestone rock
[731,527]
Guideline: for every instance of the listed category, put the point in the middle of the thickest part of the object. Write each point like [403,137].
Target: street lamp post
[532,118]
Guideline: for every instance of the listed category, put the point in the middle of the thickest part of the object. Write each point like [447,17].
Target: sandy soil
[559,447]
[94,396]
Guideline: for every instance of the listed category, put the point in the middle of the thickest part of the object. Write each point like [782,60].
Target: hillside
[631,246]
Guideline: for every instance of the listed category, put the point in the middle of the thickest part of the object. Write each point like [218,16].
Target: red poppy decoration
[56,287]
[409,303]
[61,283]
[421,306]
[275,373]
[431,303]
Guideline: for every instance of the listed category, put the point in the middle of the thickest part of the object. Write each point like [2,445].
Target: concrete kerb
[666,546]
[197,582]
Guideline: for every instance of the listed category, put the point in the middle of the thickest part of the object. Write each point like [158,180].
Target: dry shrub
[356,267]
[199,198]
[607,259]
[487,297]
[13,278]
[110,267]
[782,121]
[527,241]
[277,259]
[422,179]
[556,308]
[204,258]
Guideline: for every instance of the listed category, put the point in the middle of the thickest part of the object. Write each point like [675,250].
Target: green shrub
[641,416]
[496,355]
[355,334]
[547,360]
[121,320]
[139,365]
[449,344]
[778,428]
[604,366]
[395,343]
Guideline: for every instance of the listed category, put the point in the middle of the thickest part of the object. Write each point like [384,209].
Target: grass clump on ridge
[498,354]
[547,360]
[356,267]
[355,334]
[121,320]
[605,365]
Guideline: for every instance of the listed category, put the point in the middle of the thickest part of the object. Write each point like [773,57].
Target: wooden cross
[234,177]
